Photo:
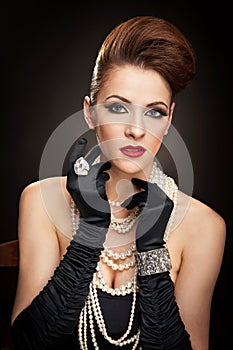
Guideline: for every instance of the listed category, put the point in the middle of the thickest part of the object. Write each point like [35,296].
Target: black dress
[116,312]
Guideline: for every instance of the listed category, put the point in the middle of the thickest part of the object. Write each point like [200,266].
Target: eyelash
[159,111]
[111,107]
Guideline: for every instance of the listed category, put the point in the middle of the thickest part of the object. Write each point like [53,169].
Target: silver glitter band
[153,261]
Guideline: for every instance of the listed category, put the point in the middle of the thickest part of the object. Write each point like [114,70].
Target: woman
[141,267]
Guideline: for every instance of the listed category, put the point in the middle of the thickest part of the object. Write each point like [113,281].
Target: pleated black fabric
[160,322]
[50,320]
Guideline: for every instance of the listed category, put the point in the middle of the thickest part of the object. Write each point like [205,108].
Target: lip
[133,151]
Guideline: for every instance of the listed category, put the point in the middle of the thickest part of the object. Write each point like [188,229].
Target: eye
[156,113]
[116,108]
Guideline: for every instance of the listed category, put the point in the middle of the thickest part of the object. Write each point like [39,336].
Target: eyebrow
[127,101]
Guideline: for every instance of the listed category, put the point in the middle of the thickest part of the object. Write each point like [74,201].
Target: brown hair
[150,43]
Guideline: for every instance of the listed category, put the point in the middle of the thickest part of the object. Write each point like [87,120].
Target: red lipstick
[133,151]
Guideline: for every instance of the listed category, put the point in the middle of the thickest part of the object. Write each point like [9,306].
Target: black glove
[155,207]
[161,327]
[50,321]
[89,194]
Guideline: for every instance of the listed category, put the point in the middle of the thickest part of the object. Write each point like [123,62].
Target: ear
[88,112]
[170,117]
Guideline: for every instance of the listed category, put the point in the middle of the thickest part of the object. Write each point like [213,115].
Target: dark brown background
[47,55]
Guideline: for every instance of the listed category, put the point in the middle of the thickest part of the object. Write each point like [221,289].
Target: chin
[129,167]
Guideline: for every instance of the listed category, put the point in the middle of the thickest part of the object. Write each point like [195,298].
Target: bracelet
[153,261]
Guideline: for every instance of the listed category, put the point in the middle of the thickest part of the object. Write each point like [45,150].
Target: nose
[134,132]
[135,127]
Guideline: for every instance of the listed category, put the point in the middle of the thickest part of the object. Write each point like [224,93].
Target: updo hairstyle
[149,43]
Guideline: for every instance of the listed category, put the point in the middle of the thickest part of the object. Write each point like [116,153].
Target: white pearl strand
[92,308]
[118,267]
[167,184]
[100,320]
[123,289]
[106,256]
[109,256]
[121,256]
[114,266]
[124,225]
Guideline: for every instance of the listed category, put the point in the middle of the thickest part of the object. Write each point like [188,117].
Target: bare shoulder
[200,223]
[35,203]
[50,198]
[38,188]
[31,202]
[204,218]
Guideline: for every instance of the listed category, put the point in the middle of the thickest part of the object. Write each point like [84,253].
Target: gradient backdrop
[48,52]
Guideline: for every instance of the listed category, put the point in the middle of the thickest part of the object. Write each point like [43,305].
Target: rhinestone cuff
[153,261]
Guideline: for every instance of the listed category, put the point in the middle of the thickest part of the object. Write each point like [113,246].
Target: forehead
[139,86]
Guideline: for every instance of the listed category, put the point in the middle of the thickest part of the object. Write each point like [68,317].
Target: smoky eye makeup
[116,107]
[156,110]
[156,113]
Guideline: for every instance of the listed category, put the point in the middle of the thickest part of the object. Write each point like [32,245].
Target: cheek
[156,128]
[154,138]
[155,133]
[108,132]
[154,144]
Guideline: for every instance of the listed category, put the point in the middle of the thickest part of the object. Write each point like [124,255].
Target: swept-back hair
[149,43]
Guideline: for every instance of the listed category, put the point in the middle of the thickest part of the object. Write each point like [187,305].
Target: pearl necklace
[121,256]
[123,225]
[123,289]
[117,203]
[93,310]
[167,184]
[109,258]
[115,266]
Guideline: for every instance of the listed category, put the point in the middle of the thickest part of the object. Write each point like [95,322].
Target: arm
[161,326]
[37,260]
[52,315]
[201,262]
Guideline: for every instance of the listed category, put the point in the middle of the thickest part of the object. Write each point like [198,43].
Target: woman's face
[131,117]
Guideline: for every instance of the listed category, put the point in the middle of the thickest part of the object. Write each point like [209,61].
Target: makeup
[133,151]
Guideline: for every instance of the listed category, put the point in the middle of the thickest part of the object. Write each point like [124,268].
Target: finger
[78,150]
[101,184]
[105,166]
[103,177]
[93,154]
[129,203]
[140,183]
[99,168]
[134,201]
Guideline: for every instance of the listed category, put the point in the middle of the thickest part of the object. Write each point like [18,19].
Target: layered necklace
[118,261]
[92,311]
[167,184]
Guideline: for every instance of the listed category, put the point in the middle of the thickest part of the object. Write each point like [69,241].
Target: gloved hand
[89,194]
[155,207]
